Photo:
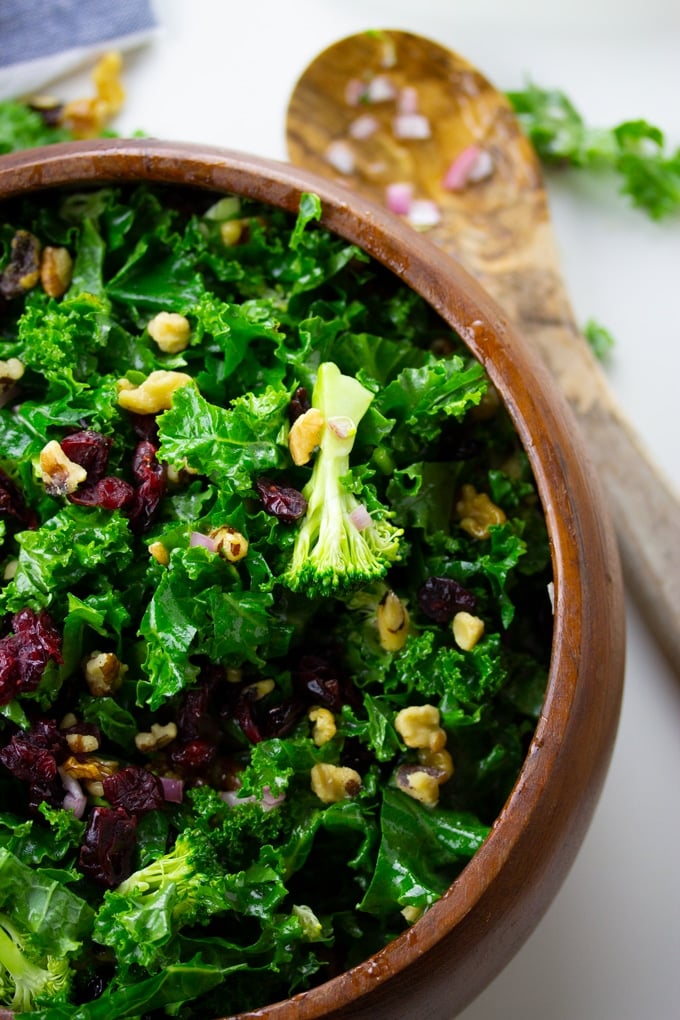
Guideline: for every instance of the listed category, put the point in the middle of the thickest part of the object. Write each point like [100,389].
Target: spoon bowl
[343,125]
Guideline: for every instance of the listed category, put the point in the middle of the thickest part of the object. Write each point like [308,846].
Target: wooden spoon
[499,228]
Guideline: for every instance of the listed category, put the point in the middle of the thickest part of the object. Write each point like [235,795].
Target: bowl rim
[588,591]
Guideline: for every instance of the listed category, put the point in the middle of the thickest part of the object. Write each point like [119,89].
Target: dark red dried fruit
[151,478]
[193,756]
[135,789]
[13,504]
[24,654]
[108,849]
[299,403]
[440,598]
[196,716]
[33,757]
[109,493]
[91,450]
[27,762]
[145,427]
[318,683]
[281,501]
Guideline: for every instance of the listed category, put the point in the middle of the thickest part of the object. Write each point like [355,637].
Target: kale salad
[275,619]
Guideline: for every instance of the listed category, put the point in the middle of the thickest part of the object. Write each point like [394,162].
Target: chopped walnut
[260,689]
[438,763]
[160,553]
[157,738]
[467,630]
[56,270]
[393,622]
[171,331]
[92,768]
[82,743]
[23,270]
[419,782]
[305,435]
[477,513]
[231,231]
[104,673]
[332,783]
[60,474]
[154,394]
[11,370]
[323,723]
[230,543]
[87,118]
[419,726]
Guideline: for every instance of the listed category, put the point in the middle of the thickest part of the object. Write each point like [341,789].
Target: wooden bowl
[440,964]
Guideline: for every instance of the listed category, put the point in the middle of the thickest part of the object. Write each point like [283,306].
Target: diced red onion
[354,90]
[341,426]
[471,165]
[271,800]
[411,126]
[407,101]
[232,798]
[398,197]
[483,168]
[363,127]
[360,518]
[75,800]
[380,89]
[173,790]
[197,538]
[340,156]
[268,803]
[424,213]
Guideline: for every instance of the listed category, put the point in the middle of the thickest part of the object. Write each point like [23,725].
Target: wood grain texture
[437,967]
[500,229]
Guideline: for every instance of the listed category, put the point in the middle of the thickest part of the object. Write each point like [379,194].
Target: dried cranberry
[33,757]
[135,789]
[299,403]
[279,720]
[107,852]
[25,653]
[243,712]
[90,449]
[27,762]
[318,682]
[281,501]
[195,716]
[145,427]
[193,756]
[12,503]
[46,733]
[150,476]
[441,598]
[109,493]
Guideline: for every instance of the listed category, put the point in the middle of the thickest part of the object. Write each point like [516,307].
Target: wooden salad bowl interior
[461,943]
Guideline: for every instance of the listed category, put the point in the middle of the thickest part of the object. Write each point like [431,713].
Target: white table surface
[221,72]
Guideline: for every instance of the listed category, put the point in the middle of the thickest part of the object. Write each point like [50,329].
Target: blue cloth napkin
[41,40]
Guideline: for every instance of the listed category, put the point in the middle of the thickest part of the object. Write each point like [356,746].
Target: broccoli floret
[185,886]
[25,982]
[333,550]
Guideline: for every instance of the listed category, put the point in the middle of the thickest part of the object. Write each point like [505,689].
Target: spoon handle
[644,508]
